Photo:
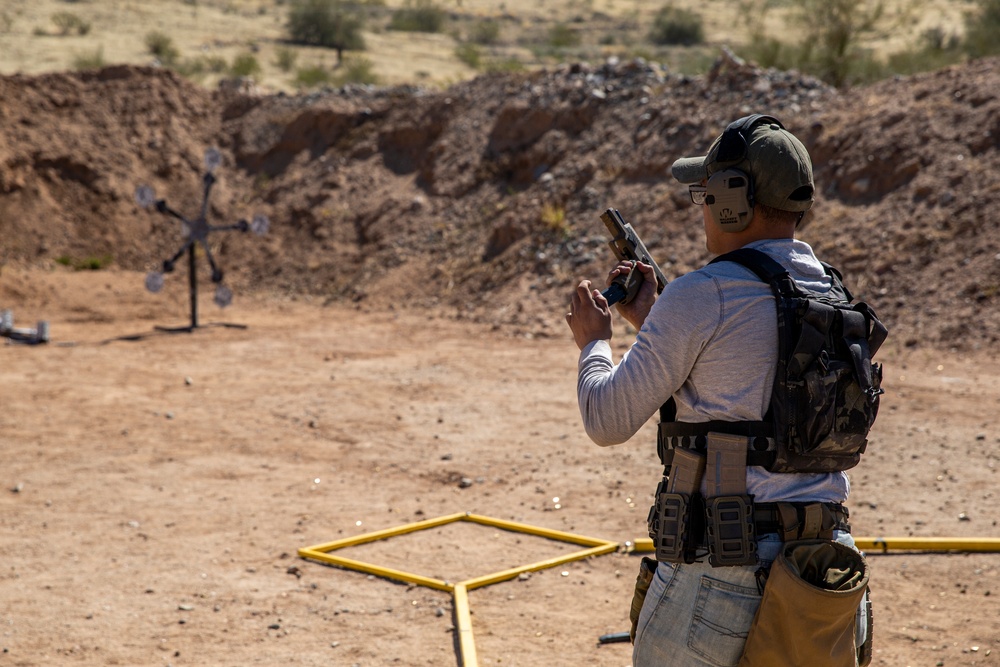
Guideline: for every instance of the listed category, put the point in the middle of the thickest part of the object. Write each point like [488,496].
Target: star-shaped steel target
[196,231]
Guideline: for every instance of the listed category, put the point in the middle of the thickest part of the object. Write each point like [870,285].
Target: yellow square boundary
[459,590]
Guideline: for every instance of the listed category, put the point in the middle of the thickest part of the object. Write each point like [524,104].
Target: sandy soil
[154,491]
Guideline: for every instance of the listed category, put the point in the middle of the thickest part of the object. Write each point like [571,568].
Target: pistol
[628,247]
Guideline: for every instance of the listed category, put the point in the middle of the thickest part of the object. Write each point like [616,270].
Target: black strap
[693,435]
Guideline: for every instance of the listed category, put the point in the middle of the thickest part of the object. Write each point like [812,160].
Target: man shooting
[749,472]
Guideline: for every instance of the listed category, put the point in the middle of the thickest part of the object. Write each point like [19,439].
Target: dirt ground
[405,358]
[156,487]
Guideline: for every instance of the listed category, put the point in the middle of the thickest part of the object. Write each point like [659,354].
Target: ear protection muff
[729,192]
[729,198]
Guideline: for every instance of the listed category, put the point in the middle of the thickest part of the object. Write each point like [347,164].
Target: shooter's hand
[589,315]
[637,309]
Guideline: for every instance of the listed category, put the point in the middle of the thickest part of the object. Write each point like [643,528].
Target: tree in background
[833,30]
[329,23]
[829,39]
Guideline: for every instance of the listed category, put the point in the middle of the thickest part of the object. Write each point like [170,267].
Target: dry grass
[222,29]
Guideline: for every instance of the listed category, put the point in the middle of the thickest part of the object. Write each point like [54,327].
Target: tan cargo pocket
[807,614]
[647,570]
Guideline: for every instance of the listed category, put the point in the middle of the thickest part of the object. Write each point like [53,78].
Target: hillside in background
[482,201]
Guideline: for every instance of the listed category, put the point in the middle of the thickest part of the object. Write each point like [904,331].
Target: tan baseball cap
[778,164]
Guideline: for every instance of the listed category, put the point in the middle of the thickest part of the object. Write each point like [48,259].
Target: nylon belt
[684,435]
[795,521]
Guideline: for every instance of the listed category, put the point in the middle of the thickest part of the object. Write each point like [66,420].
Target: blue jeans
[698,616]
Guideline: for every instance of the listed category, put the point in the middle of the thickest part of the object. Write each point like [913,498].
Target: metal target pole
[193,286]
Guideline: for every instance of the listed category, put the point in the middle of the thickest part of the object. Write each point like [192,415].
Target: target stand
[195,232]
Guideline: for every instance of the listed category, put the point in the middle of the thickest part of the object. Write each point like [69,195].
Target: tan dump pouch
[647,570]
[807,615]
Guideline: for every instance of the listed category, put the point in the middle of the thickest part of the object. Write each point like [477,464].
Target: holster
[807,614]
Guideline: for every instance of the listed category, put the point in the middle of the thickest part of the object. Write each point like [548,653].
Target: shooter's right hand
[636,310]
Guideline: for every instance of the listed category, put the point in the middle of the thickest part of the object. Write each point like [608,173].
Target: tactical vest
[826,389]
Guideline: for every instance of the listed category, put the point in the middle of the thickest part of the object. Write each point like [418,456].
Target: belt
[791,521]
[798,521]
[762,446]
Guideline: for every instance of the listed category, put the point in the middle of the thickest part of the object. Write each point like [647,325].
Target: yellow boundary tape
[596,547]
[886,544]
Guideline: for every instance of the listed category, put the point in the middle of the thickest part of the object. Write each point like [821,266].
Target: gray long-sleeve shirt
[711,342]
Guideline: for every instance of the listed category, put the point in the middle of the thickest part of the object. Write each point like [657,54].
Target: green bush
[312,76]
[196,68]
[676,27]
[93,60]
[91,263]
[468,54]
[937,49]
[68,22]
[162,47]
[418,16]
[504,65]
[192,68]
[769,52]
[833,30]
[329,23]
[982,29]
[357,70]
[284,58]
[830,38]
[485,32]
[562,36]
[245,64]
[215,64]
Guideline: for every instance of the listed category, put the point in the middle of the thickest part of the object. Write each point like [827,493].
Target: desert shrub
[192,68]
[312,76]
[676,27]
[67,22]
[328,23]
[769,52]
[418,16]
[982,28]
[92,60]
[485,32]
[469,54]
[833,30]
[830,34]
[162,47]
[510,64]
[215,64]
[357,70]
[284,58]
[936,49]
[562,36]
[91,263]
[553,218]
[245,64]
[196,68]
